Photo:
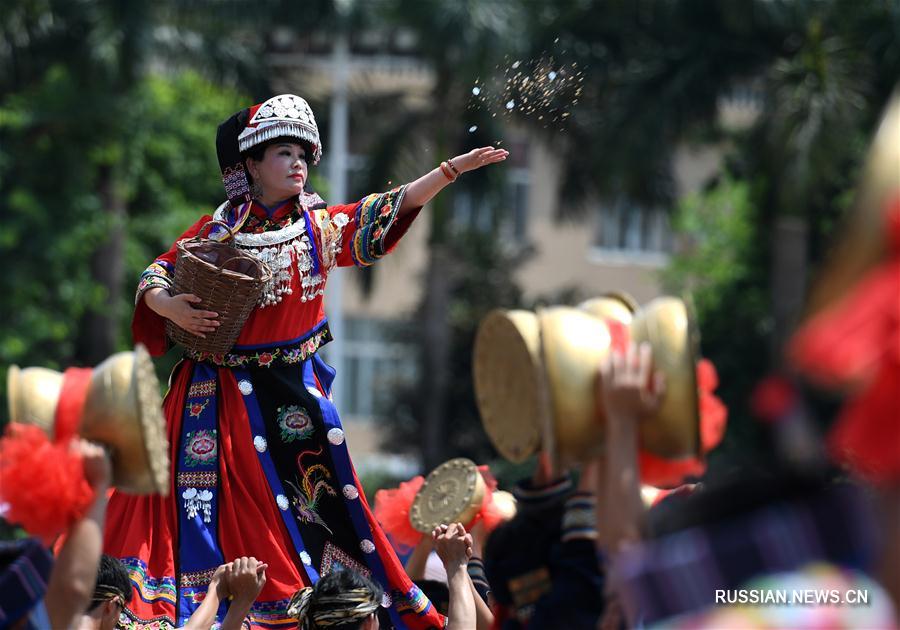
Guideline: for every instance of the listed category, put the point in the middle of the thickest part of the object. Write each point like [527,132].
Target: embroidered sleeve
[580,518]
[161,273]
[148,327]
[361,233]
[375,216]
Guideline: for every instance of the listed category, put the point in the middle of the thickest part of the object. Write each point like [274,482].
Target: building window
[631,230]
[376,363]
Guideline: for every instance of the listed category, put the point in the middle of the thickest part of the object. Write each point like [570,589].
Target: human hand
[96,464]
[453,546]
[625,385]
[476,158]
[244,578]
[217,581]
[179,309]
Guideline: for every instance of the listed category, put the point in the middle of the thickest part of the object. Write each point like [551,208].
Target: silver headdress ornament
[282,115]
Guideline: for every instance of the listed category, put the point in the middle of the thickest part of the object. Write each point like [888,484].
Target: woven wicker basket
[227,280]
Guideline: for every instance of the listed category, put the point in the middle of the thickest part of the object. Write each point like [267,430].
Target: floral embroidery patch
[265,359]
[201,448]
[295,423]
[196,408]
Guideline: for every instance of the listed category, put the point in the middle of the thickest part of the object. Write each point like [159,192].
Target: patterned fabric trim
[202,388]
[196,578]
[335,556]
[129,621]
[283,355]
[205,479]
[150,589]
[579,521]
[235,180]
[413,601]
[272,614]
[375,215]
[158,274]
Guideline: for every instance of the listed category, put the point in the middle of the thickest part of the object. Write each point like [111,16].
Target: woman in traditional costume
[260,463]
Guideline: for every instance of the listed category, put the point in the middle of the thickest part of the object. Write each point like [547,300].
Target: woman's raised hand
[476,158]
[179,309]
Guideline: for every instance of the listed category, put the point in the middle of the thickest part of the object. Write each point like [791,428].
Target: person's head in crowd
[437,593]
[343,599]
[111,594]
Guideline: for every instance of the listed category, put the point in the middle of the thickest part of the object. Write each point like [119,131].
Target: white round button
[366,545]
[282,502]
[304,556]
[336,436]
[245,386]
[260,444]
[351,492]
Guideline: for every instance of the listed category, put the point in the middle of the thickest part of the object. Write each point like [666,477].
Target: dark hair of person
[340,581]
[112,576]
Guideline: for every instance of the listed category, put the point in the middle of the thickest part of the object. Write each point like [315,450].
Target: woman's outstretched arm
[423,190]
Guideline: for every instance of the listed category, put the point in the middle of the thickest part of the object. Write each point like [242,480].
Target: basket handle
[214,221]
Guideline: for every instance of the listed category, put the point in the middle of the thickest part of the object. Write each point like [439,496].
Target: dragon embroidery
[313,484]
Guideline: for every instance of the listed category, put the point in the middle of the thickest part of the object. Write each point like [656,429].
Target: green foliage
[720,267]
[714,232]
[163,153]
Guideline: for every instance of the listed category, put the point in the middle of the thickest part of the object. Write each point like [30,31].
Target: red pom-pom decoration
[490,514]
[392,511]
[667,473]
[42,482]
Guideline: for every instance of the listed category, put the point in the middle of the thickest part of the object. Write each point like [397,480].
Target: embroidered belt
[287,354]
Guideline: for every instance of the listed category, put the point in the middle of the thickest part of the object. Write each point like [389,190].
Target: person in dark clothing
[543,565]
